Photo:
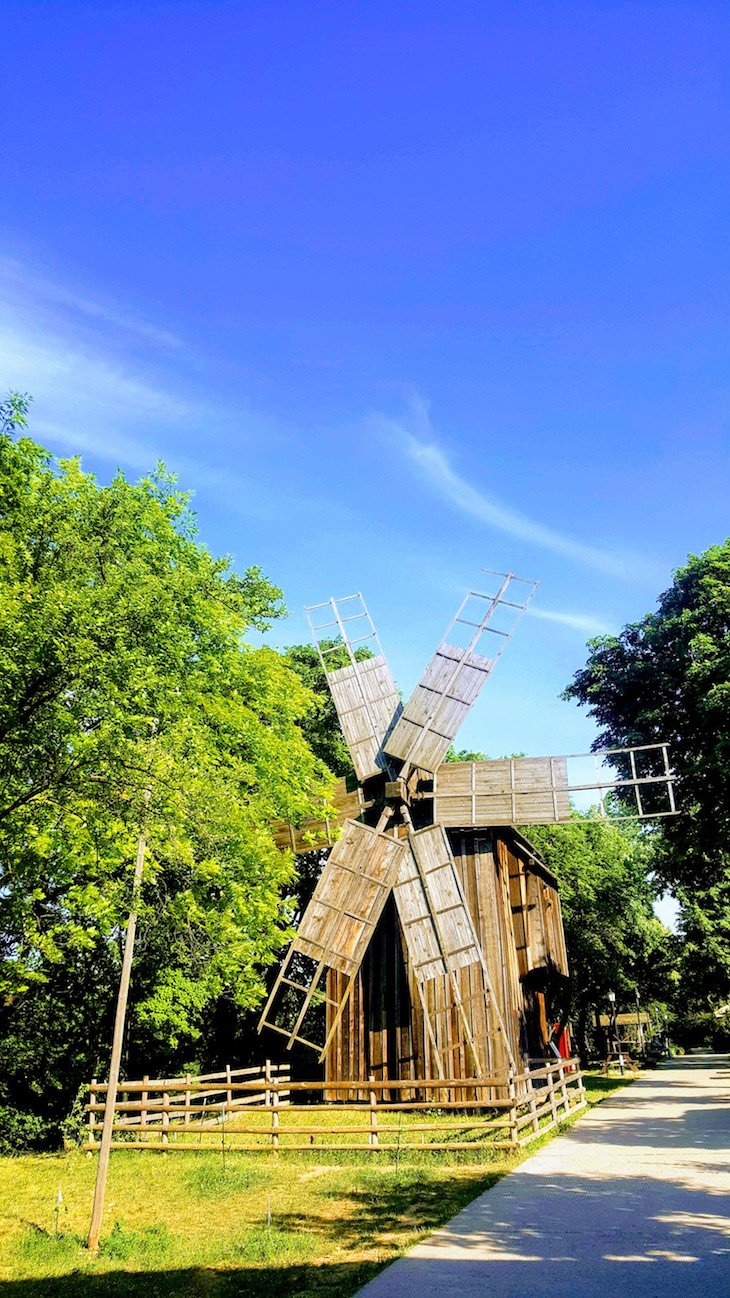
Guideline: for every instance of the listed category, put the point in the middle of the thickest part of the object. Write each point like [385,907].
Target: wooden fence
[161,1101]
[167,1116]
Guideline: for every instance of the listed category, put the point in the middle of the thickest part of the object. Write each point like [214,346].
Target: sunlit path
[633,1201]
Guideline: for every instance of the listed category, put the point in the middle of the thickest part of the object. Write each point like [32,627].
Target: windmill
[433,911]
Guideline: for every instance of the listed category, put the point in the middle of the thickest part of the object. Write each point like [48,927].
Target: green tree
[320,725]
[614,940]
[464,755]
[667,678]
[126,679]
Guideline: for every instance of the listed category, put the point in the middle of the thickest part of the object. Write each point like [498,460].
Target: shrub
[24,1133]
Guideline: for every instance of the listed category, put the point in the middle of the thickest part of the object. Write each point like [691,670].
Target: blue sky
[400,290]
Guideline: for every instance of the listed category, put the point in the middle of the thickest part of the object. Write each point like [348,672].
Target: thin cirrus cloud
[86,404]
[583,622]
[70,378]
[29,286]
[435,469]
[93,396]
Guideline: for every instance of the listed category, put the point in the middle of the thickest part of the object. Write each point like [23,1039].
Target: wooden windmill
[426,946]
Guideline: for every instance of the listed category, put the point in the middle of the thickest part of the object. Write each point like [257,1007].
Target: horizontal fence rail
[149,1110]
[190,1114]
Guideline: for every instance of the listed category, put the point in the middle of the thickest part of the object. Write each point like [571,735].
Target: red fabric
[562,1041]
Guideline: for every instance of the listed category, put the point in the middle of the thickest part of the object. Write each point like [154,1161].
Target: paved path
[630,1203]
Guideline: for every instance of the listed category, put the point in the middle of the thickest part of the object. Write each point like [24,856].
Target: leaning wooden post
[373,1138]
[92,1115]
[533,1110]
[102,1171]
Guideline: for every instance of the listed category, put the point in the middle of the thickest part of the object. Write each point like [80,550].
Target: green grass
[202,1225]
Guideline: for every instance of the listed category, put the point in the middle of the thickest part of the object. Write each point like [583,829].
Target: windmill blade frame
[455,675]
[537,790]
[337,925]
[363,691]
[347,801]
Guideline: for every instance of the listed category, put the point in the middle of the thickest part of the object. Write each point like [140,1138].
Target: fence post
[564,1088]
[186,1120]
[92,1115]
[553,1101]
[581,1086]
[267,1076]
[275,1116]
[229,1092]
[533,1110]
[512,1095]
[143,1114]
[373,1137]
[165,1118]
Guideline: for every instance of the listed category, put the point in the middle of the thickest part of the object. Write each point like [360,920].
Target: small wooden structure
[433,945]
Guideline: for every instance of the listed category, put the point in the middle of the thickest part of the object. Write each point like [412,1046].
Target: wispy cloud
[26,283]
[435,469]
[97,393]
[63,372]
[586,623]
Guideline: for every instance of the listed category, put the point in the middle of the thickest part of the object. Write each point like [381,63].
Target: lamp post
[614,1031]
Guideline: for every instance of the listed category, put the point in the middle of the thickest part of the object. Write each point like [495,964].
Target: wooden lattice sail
[435,929]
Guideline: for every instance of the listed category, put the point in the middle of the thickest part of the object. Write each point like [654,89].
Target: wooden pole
[102,1171]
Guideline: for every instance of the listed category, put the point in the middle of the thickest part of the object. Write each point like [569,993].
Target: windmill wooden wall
[515,908]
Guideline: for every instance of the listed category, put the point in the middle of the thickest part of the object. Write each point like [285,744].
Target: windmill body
[433,944]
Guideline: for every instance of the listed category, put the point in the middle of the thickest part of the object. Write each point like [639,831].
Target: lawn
[257,1226]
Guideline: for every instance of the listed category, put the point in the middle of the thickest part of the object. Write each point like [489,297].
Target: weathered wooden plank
[518,791]
[436,923]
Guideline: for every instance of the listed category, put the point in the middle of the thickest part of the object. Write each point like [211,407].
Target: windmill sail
[436,924]
[346,802]
[339,921]
[441,941]
[456,674]
[363,689]
[543,790]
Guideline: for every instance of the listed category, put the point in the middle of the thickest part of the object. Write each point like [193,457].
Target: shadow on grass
[303,1281]
[375,1214]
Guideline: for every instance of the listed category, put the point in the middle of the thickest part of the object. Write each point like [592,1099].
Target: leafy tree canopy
[320,725]
[614,940]
[667,678]
[125,678]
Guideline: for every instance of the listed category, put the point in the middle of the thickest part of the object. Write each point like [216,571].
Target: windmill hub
[396,791]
